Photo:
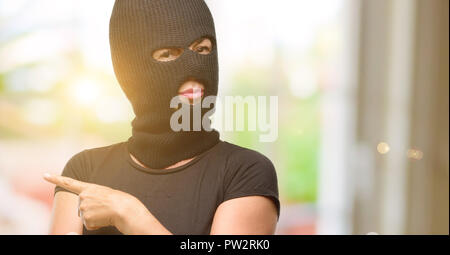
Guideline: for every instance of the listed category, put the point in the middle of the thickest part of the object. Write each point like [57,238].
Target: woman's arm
[99,206]
[251,215]
[65,218]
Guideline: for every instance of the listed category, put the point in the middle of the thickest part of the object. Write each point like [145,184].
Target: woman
[163,181]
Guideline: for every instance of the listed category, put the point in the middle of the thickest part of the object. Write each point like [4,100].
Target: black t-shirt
[183,199]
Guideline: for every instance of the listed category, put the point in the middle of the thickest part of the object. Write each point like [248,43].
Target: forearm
[146,225]
[141,221]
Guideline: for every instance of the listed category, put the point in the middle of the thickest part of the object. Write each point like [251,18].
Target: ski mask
[137,29]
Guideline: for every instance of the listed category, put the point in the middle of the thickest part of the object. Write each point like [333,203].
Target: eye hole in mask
[202,46]
[167,54]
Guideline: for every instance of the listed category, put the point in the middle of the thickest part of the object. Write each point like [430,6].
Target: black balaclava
[137,29]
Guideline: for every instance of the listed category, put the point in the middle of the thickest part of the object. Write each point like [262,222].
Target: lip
[192,93]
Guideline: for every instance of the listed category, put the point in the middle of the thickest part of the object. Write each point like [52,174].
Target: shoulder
[84,161]
[238,156]
[98,152]
[245,165]
[81,165]
[249,173]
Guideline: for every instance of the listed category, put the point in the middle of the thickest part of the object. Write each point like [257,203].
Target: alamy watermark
[233,113]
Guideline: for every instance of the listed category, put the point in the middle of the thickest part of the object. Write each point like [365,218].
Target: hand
[101,206]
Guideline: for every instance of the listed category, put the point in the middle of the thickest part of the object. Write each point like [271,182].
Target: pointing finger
[66,183]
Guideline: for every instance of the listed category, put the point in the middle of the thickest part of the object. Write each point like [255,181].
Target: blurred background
[363,105]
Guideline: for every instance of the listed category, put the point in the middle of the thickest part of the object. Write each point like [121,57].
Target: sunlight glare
[85,91]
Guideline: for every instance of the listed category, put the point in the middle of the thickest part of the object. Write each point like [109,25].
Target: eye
[167,54]
[202,50]
[202,46]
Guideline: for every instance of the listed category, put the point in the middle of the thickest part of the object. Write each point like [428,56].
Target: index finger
[67,183]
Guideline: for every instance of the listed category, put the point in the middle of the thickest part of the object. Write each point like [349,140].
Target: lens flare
[84,91]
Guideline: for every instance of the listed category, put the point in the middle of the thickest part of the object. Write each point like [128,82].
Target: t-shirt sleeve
[76,168]
[251,174]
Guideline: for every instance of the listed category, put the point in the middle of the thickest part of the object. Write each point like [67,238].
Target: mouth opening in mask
[191,91]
